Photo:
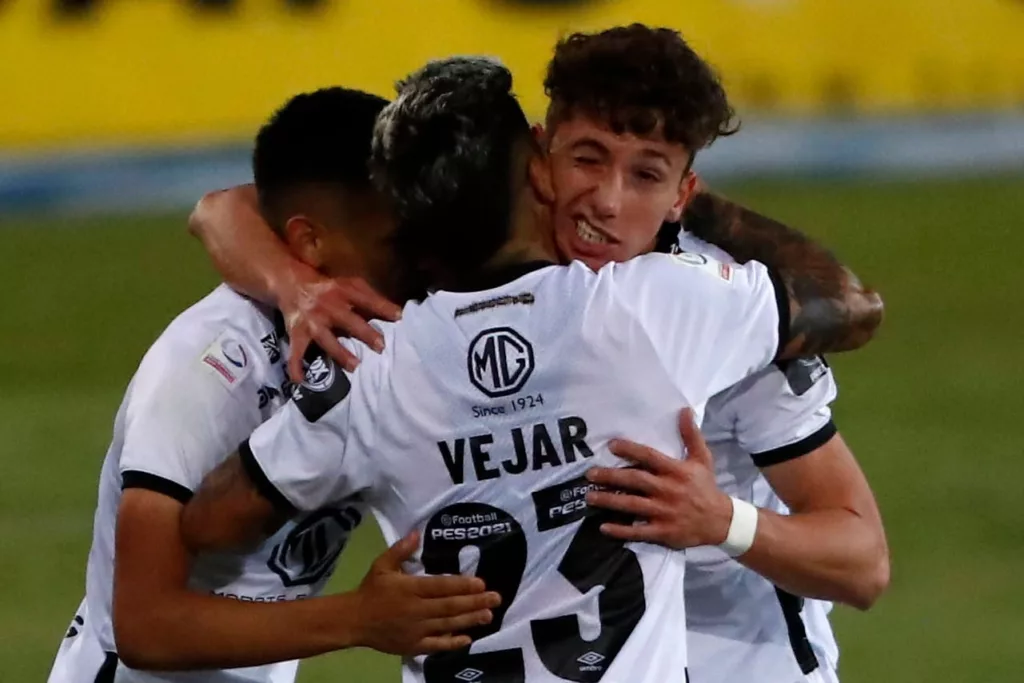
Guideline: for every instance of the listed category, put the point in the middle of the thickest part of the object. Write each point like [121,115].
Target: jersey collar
[496,277]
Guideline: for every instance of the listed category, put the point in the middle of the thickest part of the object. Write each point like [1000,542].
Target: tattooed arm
[229,512]
[830,310]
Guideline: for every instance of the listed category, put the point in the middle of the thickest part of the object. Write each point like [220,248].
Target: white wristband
[742,528]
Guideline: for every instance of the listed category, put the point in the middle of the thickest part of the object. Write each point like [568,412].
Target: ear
[687,191]
[540,135]
[540,178]
[304,239]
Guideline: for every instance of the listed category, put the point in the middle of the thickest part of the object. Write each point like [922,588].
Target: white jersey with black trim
[740,626]
[214,375]
[476,427]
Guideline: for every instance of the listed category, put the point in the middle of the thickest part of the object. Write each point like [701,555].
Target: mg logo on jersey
[500,361]
[309,552]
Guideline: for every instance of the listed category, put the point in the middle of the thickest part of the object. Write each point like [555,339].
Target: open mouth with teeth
[589,234]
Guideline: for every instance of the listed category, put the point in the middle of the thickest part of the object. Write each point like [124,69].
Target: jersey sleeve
[711,323]
[784,411]
[298,458]
[185,412]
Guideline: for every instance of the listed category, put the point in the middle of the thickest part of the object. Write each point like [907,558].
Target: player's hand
[410,615]
[317,309]
[678,499]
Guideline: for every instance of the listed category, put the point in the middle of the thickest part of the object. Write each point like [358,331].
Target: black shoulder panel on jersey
[261,482]
[324,387]
[134,479]
[782,303]
[795,450]
[803,373]
[667,241]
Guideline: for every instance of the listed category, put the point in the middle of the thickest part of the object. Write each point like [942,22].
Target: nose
[608,194]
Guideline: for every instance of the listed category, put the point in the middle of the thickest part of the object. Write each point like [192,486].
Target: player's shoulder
[681,269]
[775,394]
[224,339]
[689,243]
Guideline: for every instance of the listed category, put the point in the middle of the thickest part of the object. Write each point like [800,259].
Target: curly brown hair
[636,78]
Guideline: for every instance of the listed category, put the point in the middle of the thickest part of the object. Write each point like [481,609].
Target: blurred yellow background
[162,71]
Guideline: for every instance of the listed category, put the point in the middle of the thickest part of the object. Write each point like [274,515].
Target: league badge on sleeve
[228,359]
[721,269]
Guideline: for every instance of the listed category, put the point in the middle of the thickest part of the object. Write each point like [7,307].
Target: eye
[648,176]
[586,160]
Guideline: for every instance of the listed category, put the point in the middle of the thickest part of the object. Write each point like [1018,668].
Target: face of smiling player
[612,192]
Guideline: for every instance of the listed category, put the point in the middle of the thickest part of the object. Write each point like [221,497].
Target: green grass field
[933,409]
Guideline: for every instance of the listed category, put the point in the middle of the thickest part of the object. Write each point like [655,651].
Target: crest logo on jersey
[500,361]
[319,374]
[310,550]
[323,388]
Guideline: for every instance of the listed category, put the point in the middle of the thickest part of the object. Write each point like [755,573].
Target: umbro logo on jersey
[500,361]
[590,661]
[469,674]
[272,347]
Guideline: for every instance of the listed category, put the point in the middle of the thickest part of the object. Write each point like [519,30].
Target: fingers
[642,455]
[330,345]
[628,478]
[298,342]
[442,644]
[696,448]
[444,586]
[644,533]
[351,324]
[460,605]
[392,558]
[368,300]
[634,505]
[463,622]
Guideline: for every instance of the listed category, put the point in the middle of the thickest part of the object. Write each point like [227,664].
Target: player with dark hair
[630,107]
[215,374]
[498,392]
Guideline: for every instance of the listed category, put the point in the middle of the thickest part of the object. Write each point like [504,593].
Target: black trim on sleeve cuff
[795,450]
[260,481]
[782,302]
[134,479]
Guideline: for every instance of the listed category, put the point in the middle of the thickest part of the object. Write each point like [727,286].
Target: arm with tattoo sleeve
[830,309]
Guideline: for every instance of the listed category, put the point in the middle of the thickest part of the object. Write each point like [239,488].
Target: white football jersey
[212,377]
[476,427]
[740,626]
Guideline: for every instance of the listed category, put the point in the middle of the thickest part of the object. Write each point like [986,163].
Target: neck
[531,237]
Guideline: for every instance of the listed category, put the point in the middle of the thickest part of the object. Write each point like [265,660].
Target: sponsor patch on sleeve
[228,359]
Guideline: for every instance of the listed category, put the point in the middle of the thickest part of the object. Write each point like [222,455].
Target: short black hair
[636,77]
[317,137]
[443,156]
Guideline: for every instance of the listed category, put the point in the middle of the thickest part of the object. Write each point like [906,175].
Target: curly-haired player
[498,393]
[630,107]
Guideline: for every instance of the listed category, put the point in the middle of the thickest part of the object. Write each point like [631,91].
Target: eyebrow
[590,143]
[656,155]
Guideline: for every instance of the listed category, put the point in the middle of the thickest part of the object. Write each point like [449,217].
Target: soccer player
[773,439]
[214,375]
[497,393]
